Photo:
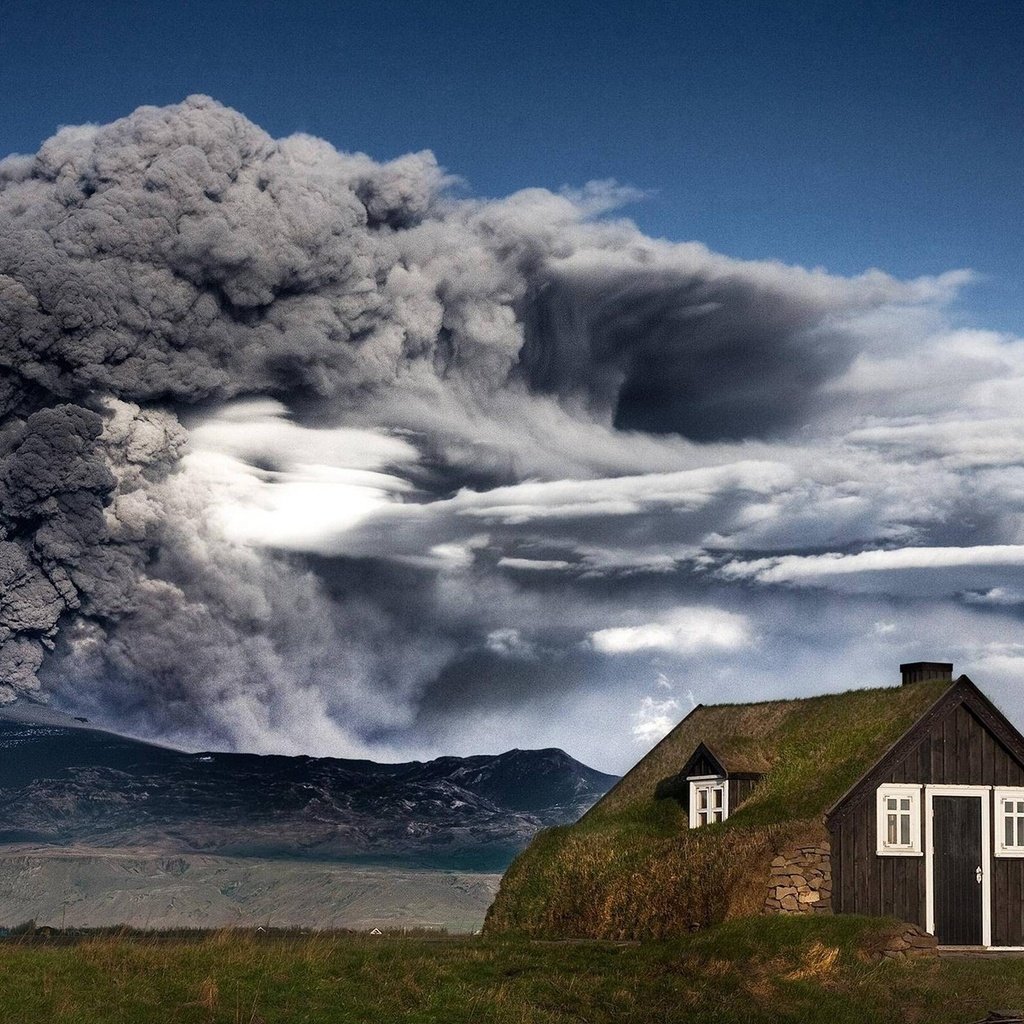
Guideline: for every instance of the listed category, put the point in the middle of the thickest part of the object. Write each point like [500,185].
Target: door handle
[977,874]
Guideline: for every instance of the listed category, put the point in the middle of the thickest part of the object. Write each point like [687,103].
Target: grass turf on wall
[640,875]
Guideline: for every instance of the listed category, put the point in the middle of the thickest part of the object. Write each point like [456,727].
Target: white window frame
[898,791]
[709,783]
[1002,793]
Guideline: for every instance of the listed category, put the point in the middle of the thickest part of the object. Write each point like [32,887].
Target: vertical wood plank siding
[703,766]
[739,790]
[956,749]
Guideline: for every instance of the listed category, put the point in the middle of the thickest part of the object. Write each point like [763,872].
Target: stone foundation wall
[911,941]
[800,882]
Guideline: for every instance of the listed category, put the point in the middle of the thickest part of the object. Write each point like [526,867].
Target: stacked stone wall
[800,881]
[910,941]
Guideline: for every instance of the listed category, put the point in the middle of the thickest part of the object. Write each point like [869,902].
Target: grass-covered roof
[810,751]
[632,868]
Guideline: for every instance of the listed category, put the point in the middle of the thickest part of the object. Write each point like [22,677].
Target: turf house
[903,801]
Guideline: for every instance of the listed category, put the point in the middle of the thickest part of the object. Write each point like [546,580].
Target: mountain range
[64,784]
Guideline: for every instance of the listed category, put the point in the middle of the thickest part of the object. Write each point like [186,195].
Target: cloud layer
[301,451]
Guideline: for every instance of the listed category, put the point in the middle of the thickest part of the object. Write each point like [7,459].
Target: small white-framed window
[899,821]
[709,800]
[1009,822]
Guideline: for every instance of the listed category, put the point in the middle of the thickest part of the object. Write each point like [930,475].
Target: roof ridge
[794,700]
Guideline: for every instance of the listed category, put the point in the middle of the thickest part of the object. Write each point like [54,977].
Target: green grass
[810,750]
[755,970]
[639,874]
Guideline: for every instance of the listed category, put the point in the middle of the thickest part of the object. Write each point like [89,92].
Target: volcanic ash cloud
[155,270]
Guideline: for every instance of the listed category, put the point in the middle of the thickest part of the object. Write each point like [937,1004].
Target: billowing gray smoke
[157,267]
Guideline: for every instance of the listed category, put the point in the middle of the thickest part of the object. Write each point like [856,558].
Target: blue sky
[846,135]
[387,475]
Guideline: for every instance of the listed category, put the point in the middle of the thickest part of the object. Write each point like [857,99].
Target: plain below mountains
[98,829]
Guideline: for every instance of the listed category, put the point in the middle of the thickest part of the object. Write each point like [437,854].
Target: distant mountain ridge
[66,784]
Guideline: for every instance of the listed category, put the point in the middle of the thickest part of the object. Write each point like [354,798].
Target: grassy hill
[632,869]
[768,971]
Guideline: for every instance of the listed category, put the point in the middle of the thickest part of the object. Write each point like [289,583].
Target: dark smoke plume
[155,268]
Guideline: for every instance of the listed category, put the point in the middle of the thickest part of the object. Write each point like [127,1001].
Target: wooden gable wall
[702,763]
[954,748]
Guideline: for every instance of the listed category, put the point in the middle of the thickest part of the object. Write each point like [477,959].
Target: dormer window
[709,800]
[708,788]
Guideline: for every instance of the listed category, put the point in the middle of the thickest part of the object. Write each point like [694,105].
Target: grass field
[755,970]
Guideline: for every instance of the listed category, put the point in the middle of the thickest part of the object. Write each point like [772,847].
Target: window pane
[1008,836]
[718,793]
[890,803]
[702,795]
[1020,831]
[702,818]
[716,815]
[904,829]
[891,830]
[1020,807]
[905,804]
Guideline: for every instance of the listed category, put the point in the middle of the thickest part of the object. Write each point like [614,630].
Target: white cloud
[641,559]
[452,556]
[960,442]
[323,482]
[685,631]
[509,643]
[261,430]
[300,509]
[654,719]
[995,596]
[797,569]
[535,564]
[685,490]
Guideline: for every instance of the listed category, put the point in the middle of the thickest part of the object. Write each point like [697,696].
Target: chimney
[926,672]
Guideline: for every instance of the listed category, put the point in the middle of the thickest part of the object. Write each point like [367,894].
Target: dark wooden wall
[863,882]
[954,750]
[958,750]
[1008,901]
[739,790]
[703,765]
